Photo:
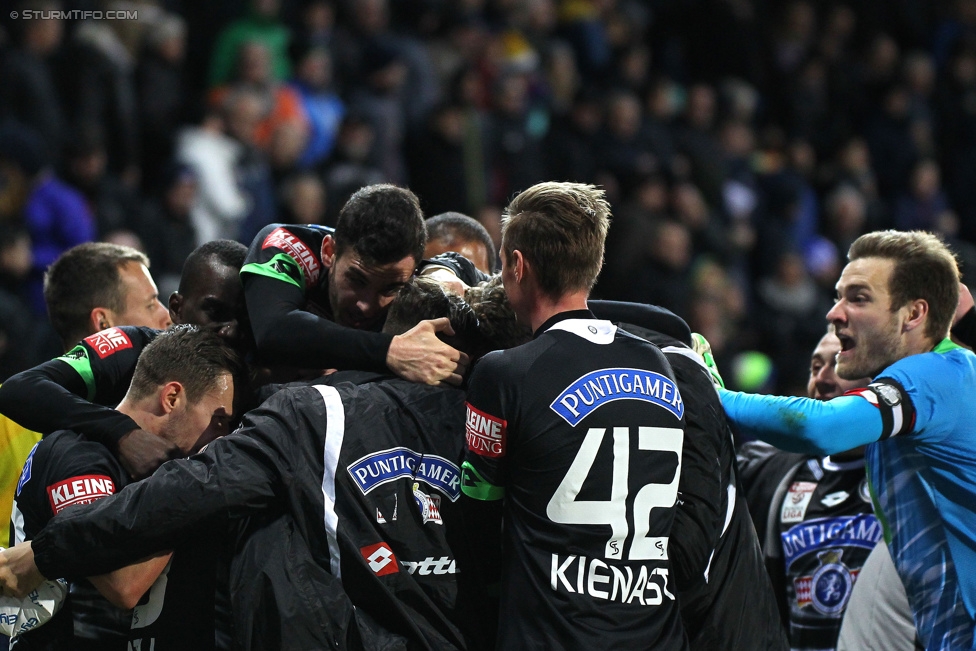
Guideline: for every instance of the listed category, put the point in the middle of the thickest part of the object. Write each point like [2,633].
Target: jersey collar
[583,324]
[562,316]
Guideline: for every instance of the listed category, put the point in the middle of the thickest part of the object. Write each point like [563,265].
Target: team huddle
[430,456]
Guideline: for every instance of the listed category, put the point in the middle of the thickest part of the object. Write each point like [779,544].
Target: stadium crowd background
[743,144]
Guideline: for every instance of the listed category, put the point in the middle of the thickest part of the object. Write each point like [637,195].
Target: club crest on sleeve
[108,341]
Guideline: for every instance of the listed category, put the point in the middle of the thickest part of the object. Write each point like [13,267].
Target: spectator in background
[163,94]
[623,151]
[167,228]
[30,94]
[925,203]
[572,143]
[261,25]
[56,215]
[213,155]
[846,216]
[381,98]
[96,81]
[893,152]
[251,169]
[278,104]
[18,327]
[304,200]
[115,206]
[322,105]
[351,167]
[517,131]
[438,167]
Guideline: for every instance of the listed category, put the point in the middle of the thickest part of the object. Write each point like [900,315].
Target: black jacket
[350,482]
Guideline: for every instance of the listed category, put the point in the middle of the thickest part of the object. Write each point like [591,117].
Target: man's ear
[916,314]
[520,264]
[328,251]
[175,307]
[100,318]
[171,397]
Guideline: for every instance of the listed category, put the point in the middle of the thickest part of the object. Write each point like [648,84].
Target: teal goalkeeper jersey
[919,420]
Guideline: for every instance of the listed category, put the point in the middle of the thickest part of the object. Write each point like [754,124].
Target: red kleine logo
[485,433]
[83,489]
[281,238]
[108,341]
[380,559]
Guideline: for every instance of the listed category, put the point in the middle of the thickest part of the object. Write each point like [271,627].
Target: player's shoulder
[512,363]
[277,234]
[67,453]
[948,365]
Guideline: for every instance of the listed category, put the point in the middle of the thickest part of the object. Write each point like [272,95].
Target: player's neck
[544,307]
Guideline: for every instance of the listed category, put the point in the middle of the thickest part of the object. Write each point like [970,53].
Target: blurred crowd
[743,144]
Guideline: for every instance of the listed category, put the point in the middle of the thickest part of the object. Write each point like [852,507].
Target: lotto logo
[108,341]
[380,559]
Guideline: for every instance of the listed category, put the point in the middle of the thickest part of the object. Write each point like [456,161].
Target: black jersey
[78,390]
[356,483]
[580,431]
[286,288]
[821,529]
[715,554]
[177,612]
[65,471]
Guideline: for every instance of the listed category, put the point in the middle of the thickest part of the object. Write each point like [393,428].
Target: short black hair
[452,226]
[83,278]
[423,298]
[227,252]
[194,357]
[383,223]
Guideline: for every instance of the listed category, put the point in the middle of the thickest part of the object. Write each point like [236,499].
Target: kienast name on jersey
[598,388]
[401,463]
[598,579]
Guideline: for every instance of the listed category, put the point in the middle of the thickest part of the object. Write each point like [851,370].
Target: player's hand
[447,278]
[141,452]
[419,356]
[19,575]
[965,303]
[703,348]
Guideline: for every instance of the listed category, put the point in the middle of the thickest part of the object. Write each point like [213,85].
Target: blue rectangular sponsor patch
[598,388]
[398,463]
[862,530]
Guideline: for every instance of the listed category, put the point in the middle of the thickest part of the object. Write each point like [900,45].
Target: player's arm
[125,586]
[72,391]
[703,487]
[482,494]
[823,427]
[236,475]
[285,332]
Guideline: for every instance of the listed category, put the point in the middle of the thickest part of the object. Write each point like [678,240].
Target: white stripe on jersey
[335,429]
[593,330]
